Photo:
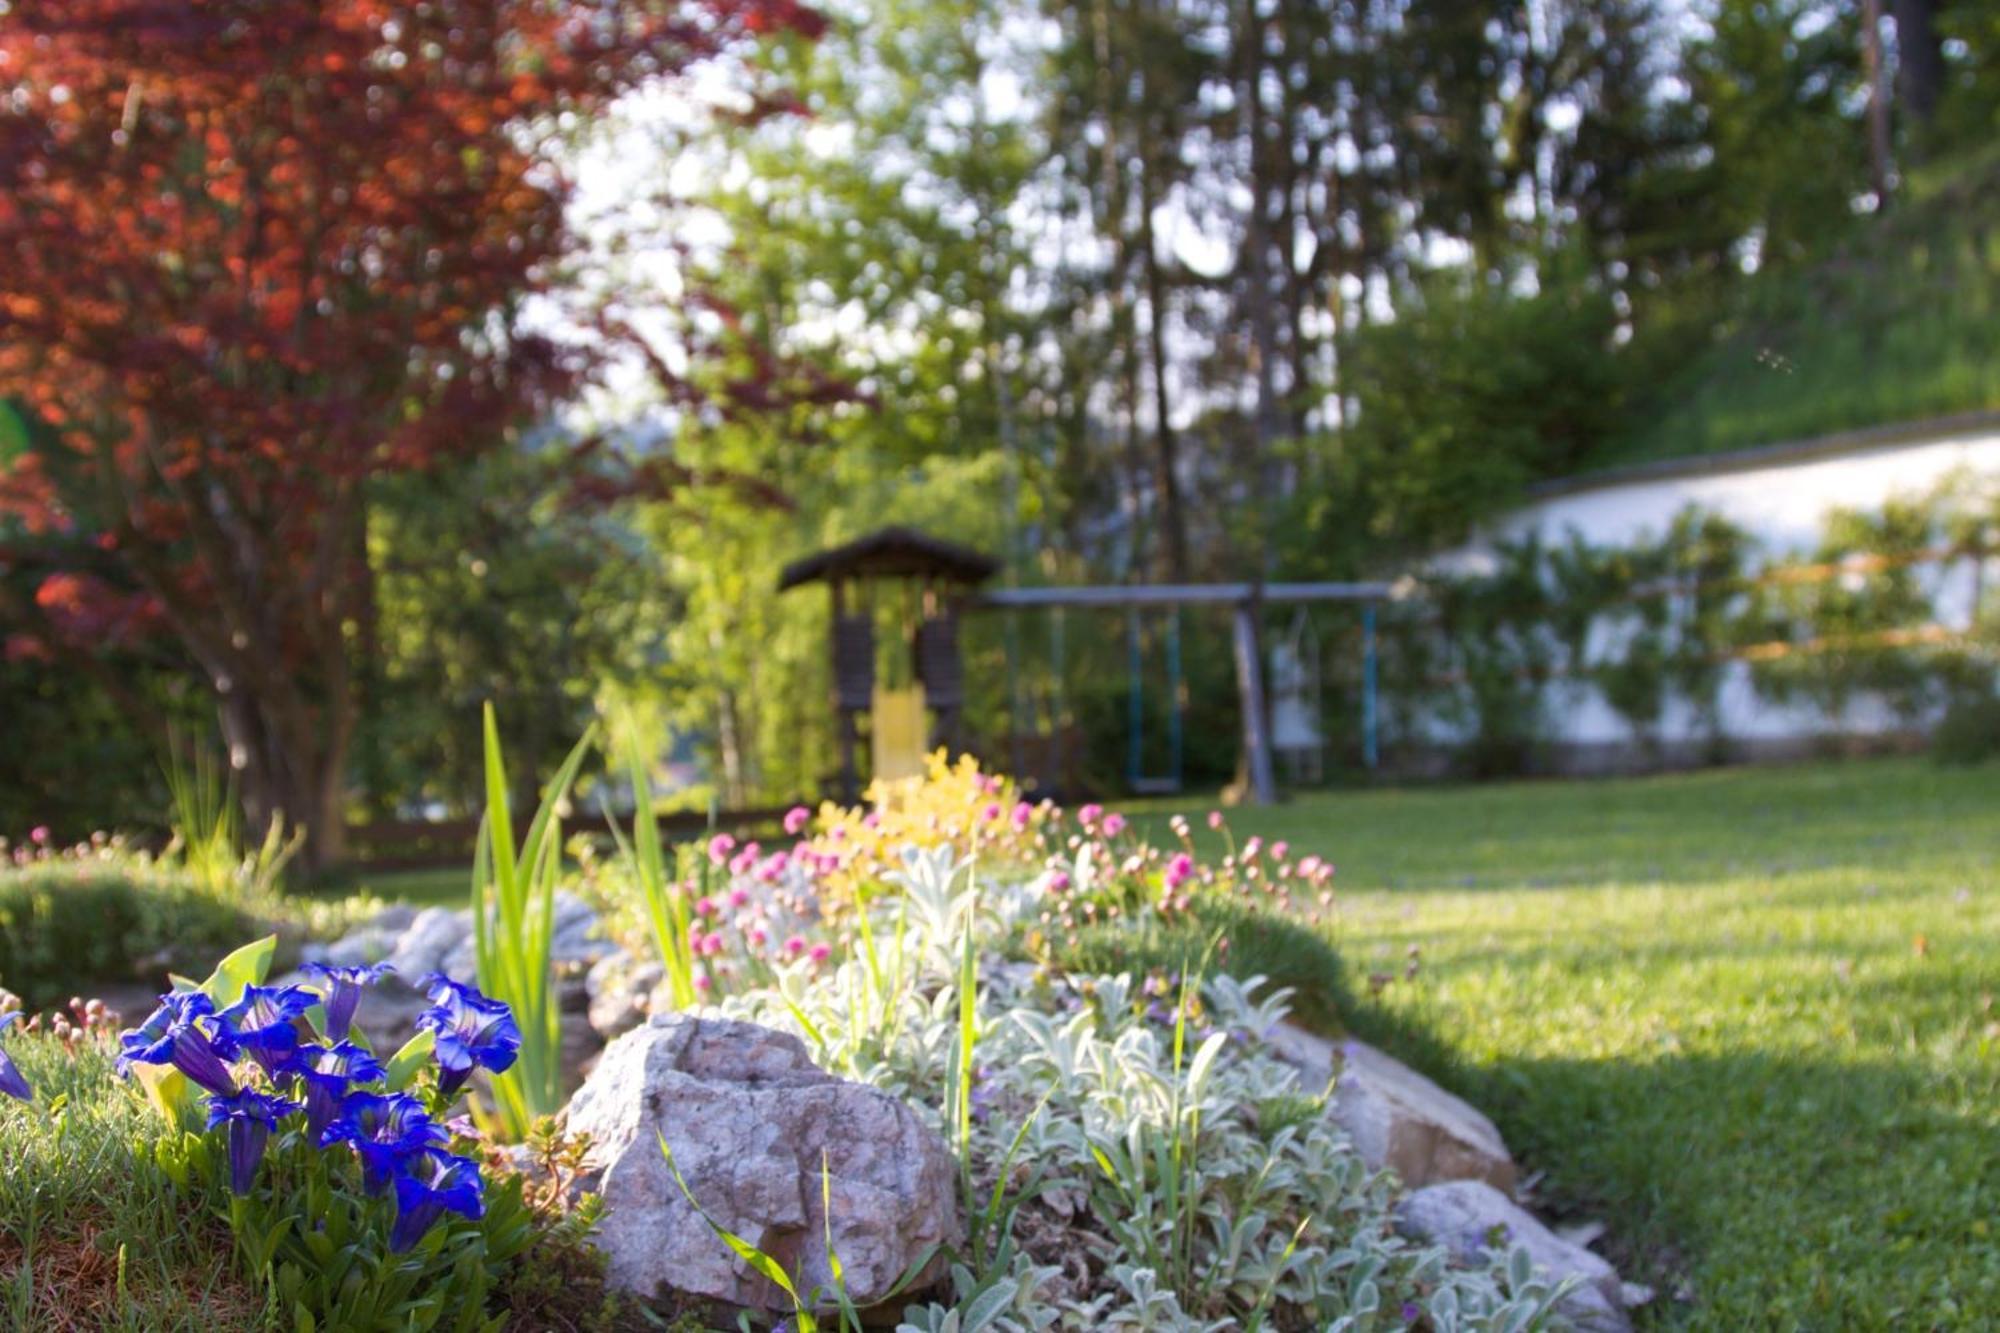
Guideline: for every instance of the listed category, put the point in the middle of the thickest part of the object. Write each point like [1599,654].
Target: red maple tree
[253,255]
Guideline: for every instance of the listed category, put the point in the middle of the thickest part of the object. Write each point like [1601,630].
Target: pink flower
[711,943]
[1023,813]
[1088,815]
[1059,881]
[991,812]
[1179,869]
[758,936]
[1114,824]
[796,819]
[719,847]
[796,945]
[702,982]
[1215,819]
[1278,850]
[873,819]
[1252,847]
[704,906]
[821,952]
[738,897]
[39,834]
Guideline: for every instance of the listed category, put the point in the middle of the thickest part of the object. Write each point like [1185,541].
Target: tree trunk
[278,781]
[1880,168]
[1166,444]
[1919,57]
[1257,278]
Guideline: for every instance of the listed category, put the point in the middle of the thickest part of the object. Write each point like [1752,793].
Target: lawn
[1744,1018]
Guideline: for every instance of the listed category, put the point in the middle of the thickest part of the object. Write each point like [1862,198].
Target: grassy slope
[1902,323]
[1745,1018]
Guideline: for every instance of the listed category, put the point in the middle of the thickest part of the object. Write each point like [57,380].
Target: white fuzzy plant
[1209,1186]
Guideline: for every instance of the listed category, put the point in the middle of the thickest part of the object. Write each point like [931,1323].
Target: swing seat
[899,740]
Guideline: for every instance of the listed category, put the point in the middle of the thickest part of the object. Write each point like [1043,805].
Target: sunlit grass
[92,1236]
[1746,1018]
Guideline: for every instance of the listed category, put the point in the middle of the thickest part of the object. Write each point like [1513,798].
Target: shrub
[1969,731]
[68,924]
[1105,1122]
[1254,943]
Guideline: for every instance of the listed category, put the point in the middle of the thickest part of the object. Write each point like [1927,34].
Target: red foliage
[252,254]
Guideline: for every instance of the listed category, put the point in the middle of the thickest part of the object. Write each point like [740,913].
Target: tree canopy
[257,258]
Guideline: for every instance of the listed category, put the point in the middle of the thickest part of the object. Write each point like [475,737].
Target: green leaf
[990,1304]
[404,1065]
[1203,1063]
[761,1262]
[247,966]
[169,1091]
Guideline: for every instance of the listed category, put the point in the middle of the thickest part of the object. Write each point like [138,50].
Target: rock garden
[881,1076]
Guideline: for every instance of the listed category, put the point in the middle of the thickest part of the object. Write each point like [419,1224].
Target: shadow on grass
[1754,1189]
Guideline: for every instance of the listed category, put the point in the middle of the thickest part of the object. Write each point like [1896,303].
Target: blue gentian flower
[251,1116]
[384,1130]
[186,1033]
[11,1081]
[472,1031]
[342,991]
[327,1073]
[265,1022]
[429,1183]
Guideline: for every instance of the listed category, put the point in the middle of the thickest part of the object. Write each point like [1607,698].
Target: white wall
[1782,503]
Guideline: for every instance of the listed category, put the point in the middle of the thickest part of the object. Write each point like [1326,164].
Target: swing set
[940,580]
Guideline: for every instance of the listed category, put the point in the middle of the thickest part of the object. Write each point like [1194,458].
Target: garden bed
[1118,1147]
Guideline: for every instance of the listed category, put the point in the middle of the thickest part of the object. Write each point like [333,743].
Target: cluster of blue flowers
[263,1063]
[11,1082]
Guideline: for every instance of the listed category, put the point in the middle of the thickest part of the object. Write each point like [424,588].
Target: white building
[1780,495]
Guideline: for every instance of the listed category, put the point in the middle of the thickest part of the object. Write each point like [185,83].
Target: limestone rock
[751,1120]
[1470,1218]
[394,918]
[387,1014]
[573,939]
[620,987]
[1399,1120]
[431,937]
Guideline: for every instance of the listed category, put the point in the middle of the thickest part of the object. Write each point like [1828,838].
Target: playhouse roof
[892,553]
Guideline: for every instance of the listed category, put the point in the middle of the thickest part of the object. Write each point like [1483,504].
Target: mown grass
[443,886]
[1746,1018]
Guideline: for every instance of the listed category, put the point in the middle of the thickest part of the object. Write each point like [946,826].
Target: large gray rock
[1399,1120]
[1475,1221]
[752,1123]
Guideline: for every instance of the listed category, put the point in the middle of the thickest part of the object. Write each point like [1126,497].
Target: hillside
[1901,322]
